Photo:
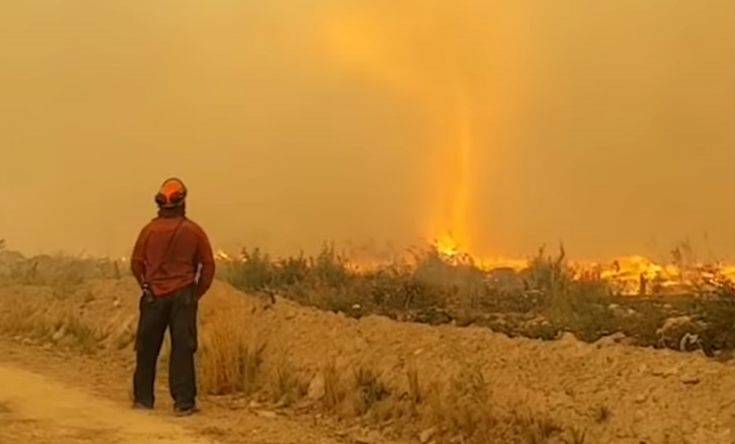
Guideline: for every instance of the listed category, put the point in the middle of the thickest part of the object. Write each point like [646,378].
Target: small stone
[615,338]
[690,379]
[569,338]
[316,387]
[369,438]
[267,414]
[640,399]
[426,435]
[254,404]
[59,334]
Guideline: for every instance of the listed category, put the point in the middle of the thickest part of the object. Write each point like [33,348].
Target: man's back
[168,254]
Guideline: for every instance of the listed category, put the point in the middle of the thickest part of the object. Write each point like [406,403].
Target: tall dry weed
[285,385]
[368,390]
[462,407]
[230,359]
[334,391]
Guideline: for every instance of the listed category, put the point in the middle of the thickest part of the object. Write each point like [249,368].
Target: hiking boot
[186,411]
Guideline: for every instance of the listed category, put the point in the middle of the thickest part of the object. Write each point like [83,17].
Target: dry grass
[462,406]
[285,385]
[537,429]
[415,392]
[55,324]
[334,390]
[229,360]
[368,390]
[576,436]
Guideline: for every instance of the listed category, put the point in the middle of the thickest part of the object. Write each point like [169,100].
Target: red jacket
[189,260]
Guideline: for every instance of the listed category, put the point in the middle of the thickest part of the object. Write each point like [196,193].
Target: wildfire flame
[447,246]
[628,275]
[221,255]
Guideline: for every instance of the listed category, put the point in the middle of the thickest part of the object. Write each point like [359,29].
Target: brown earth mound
[428,383]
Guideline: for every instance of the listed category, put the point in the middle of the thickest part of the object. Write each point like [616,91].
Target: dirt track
[34,408]
[48,397]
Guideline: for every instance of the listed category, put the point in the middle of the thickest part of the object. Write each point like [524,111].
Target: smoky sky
[608,125]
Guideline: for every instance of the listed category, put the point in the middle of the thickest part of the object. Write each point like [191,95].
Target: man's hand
[148,295]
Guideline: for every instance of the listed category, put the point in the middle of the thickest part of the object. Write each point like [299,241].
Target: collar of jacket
[172,212]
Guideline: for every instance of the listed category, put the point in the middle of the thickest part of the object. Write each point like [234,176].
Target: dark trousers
[178,312]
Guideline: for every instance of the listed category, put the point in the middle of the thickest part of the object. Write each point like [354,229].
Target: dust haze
[609,125]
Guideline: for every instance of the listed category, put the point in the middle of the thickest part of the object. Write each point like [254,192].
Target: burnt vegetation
[544,301]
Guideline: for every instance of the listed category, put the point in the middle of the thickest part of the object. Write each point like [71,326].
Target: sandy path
[56,397]
[34,408]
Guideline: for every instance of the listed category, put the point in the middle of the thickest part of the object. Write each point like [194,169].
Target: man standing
[173,263]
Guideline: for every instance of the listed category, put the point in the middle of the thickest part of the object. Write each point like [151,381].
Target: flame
[633,275]
[447,246]
[638,275]
[222,255]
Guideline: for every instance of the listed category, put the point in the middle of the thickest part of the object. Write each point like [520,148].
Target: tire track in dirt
[34,408]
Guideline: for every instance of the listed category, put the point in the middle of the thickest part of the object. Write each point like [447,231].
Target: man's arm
[205,259]
[137,260]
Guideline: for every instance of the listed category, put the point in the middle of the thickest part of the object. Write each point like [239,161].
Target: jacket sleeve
[137,260]
[205,259]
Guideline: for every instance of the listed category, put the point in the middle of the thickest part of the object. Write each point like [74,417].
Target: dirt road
[48,397]
[34,408]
